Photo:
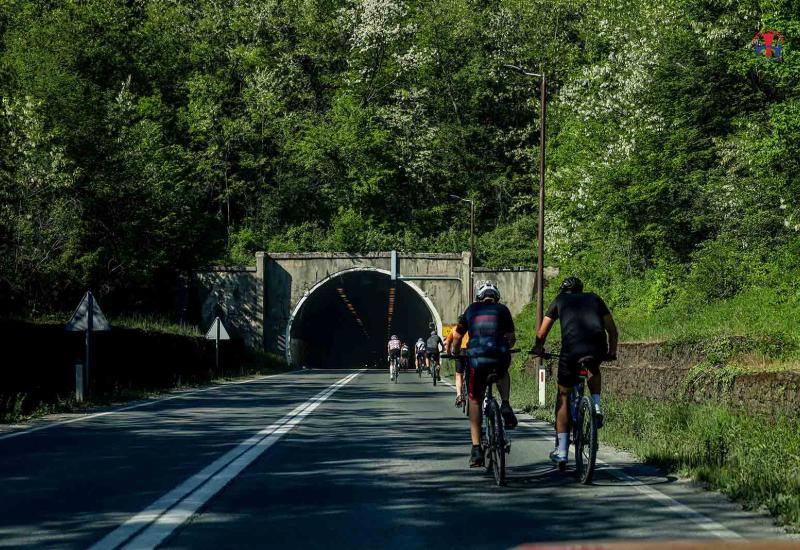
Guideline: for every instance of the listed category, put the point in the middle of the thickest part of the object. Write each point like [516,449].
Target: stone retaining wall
[657,371]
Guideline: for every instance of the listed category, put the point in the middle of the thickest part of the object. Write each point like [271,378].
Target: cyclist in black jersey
[587,329]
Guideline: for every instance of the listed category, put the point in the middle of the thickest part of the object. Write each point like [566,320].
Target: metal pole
[89,329]
[540,253]
[471,248]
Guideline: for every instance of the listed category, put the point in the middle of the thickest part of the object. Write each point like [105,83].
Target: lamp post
[471,241]
[540,252]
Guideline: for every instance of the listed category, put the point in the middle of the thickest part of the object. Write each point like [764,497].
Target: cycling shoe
[476,458]
[509,418]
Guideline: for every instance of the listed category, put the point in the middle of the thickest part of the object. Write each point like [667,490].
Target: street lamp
[540,253]
[471,241]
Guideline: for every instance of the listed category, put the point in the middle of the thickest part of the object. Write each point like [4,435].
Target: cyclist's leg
[595,383]
[567,378]
[477,387]
[459,379]
[504,389]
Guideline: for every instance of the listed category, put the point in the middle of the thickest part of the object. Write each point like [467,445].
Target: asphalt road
[325,459]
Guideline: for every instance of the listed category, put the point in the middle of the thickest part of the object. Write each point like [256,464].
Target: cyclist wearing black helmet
[587,329]
[491,337]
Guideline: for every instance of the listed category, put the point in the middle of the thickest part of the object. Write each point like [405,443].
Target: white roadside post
[217,332]
[89,318]
[541,384]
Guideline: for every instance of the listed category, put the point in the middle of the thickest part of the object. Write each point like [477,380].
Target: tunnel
[346,320]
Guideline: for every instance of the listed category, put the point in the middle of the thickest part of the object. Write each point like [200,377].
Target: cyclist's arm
[511,337]
[613,334]
[541,335]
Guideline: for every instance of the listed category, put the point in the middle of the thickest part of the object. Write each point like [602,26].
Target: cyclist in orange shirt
[461,363]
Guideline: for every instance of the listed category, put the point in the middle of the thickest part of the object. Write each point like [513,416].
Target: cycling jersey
[582,329]
[420,347]
[394,344]
[433,343]
[487,324]
[404,351]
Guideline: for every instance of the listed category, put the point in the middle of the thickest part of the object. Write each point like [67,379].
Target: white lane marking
[156,522]
[136,406]
[704,522]
[672,505]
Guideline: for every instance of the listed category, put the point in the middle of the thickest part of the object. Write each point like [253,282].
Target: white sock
[596,399]
[563,443]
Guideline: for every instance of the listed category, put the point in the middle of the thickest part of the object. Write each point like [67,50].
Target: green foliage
[140,139]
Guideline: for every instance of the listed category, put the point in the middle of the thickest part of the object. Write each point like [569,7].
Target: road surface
[324,459]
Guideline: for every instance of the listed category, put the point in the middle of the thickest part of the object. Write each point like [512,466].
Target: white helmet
[487,289]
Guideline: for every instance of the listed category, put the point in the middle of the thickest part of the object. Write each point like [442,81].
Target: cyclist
[419,347]
[433,347]
[491,337]
[587,329]
[461,362]
[405,354]
[394,353]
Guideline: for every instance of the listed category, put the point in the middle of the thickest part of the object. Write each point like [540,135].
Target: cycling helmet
[420,340]
[572,284]
[487,289]
[394,337]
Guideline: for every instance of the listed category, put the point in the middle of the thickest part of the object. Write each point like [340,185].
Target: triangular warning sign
[80,319]
[212,332]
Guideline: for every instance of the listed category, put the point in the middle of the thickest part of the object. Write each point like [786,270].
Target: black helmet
[572,284]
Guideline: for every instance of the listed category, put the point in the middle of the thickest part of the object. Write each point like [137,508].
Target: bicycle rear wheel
[434,371]
[498,447]
[586,441]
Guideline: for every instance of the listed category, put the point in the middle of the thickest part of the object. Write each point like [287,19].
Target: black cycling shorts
[480,367]
[433,355]
[569,370]
[461,364]
[394,353]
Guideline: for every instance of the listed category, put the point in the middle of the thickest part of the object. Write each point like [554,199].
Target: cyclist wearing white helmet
[491,337]
[394,353]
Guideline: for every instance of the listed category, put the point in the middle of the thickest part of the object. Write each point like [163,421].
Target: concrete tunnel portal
[346,319]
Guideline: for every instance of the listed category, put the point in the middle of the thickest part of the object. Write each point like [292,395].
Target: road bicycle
[420,364]
[435,368]
[464,381]
[394,369]
[495,442]
[583,423]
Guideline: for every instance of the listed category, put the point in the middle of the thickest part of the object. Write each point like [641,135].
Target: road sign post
[88,318]
[541,386]
[217,332]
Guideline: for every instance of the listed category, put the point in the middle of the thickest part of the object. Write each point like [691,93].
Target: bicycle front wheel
[586,441]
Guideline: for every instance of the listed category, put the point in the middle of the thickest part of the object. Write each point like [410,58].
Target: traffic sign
[217,331]
[81,319]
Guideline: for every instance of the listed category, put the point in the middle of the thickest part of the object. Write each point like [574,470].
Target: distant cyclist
[419,348]
[394,353]
[405,355]
[461,362]
[433,347]
[491,337]
[587,329]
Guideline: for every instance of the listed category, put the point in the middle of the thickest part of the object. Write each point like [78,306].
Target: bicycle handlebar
[451,356]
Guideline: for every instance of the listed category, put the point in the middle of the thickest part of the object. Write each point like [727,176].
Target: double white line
[155,523]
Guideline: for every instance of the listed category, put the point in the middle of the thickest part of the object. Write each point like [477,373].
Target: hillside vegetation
[142,138]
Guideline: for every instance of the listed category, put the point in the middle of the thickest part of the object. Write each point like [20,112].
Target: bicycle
[495,442]
[420,363]
[394,369]
[583,423]
[435,369]
[464,381]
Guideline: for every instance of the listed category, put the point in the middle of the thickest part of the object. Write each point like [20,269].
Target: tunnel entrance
[345,321]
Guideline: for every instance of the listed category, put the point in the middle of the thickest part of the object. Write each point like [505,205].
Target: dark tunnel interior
[347,321]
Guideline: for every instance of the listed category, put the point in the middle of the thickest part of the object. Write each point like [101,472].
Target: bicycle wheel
[586,441]
[488,438]
[465,394]
[498,448]
[434,370]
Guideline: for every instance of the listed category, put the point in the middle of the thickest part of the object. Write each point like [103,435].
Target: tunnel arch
[308,296]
